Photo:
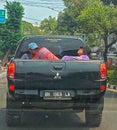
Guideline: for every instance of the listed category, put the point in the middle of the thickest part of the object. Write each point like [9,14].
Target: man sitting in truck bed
[38,53]
[33,48]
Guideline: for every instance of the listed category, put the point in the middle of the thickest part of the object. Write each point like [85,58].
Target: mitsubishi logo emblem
[57,76]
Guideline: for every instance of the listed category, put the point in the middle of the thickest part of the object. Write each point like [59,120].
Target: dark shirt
[25,57]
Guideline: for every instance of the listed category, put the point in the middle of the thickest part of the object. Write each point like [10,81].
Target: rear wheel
[13,118]
[93,120]
[13,114]
[93,113]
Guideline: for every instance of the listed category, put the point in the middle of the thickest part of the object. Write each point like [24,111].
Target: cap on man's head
[33,46]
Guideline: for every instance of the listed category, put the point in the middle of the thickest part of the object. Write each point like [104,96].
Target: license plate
[57,95]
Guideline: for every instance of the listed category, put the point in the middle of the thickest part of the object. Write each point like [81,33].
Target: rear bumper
[30,94]
[45,105]
[28,103]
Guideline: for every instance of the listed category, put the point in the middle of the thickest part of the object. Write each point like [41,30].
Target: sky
[36,10]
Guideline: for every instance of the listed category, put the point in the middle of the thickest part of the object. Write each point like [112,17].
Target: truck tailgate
[57,75]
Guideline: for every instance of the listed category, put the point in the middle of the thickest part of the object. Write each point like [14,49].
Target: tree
[67,19]
[29,29]
[100,19]
[74,7]
[12,33]
[15,12]
[48,25]
[2,36]
[66,24]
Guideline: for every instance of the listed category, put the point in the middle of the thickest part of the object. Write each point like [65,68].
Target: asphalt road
[56,121]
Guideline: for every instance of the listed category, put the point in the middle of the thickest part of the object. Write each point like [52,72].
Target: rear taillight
[11,70]
[103,71]
[12,88]
[102,88]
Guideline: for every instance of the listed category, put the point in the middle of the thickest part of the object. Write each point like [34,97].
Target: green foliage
[112,74]
[74,7]
[15,12]
[98,18]
[48,25]
[11,31]
[3,39]
[1,54]
[29,29]
[93,39]
[67,22]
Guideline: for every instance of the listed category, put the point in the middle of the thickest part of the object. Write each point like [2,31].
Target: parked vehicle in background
[94,56]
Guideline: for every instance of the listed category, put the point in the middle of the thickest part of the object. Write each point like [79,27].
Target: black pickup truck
[48,85]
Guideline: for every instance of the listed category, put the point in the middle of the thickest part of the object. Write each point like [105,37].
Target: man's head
[33,47]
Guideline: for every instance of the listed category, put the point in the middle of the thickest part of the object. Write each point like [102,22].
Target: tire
[13,114]
[93,113]
[13,118]
[93,120]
